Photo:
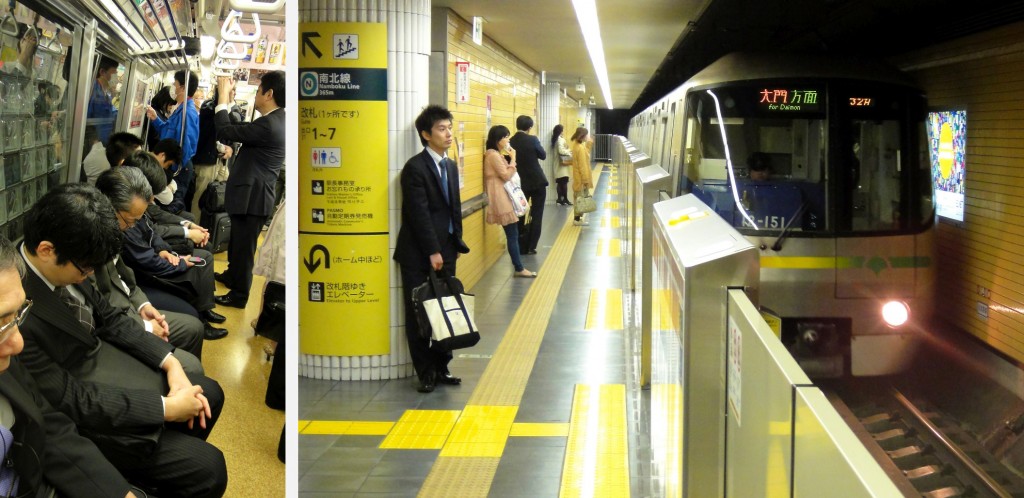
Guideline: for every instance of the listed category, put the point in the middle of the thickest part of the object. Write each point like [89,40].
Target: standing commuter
[102,112]
[581,175]
[562,159]
[431,234]
[529,154]
[211,155]
[249,193]
[499,209]
[48,455]
[171,128]
[146,405]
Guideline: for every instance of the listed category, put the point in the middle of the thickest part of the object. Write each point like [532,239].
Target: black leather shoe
[212,316]
[212,333]
[227,300]
[449,379]
[220,278]
[426,383]
[531,251]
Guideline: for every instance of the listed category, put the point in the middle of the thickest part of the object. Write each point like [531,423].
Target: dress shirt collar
[435,156]
[35,270]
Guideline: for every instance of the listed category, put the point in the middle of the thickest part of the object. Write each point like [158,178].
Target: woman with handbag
[582,181]
[562,157]
[500,211]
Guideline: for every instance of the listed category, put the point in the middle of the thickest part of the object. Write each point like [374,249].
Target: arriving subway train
[822,163]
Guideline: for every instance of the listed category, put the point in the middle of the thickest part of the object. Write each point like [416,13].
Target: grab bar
[257,7]
[238,36]
[4,25]
[234,53]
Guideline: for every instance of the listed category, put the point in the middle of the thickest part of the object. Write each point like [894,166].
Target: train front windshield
[821,158]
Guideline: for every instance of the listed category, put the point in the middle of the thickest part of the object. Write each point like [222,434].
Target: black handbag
[453,326]
[270,323]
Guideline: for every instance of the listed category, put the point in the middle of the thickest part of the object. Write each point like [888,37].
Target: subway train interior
[56,110]
[801,274]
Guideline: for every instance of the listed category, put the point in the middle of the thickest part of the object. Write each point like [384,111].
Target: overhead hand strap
[232,31]
[257,7]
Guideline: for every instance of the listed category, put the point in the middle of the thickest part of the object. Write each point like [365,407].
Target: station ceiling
[652,46]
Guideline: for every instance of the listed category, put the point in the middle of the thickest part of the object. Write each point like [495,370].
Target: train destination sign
[790,99]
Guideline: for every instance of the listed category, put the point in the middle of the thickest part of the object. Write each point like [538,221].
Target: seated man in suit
[146,405]
[48,455]
[159,267]
[130,193]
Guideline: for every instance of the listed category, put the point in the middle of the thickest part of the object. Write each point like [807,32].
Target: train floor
[248,431]
[549,403]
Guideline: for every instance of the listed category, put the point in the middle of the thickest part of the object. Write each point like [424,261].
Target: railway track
[925,452]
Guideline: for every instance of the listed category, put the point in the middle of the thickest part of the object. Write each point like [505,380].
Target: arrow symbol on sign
[307,40]
[312,266]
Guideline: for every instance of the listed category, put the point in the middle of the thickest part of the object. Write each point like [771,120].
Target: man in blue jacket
[171,128]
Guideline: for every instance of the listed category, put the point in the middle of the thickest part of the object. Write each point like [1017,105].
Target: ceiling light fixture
[586,14]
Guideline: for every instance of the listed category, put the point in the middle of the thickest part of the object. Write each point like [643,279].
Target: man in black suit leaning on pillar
[48,455]
[431,234]
[249,194]
[529,154]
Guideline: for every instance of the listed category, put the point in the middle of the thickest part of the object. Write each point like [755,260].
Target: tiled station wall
[513,90]
[981,261]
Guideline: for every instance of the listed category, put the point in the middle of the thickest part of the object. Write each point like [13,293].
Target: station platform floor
[549,404]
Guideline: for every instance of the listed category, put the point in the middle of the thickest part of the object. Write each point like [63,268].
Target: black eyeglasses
[127,223]
[8,328]
[84,271]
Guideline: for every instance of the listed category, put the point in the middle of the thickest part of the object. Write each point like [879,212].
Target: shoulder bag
[584,203]
[445,312]
[519,202]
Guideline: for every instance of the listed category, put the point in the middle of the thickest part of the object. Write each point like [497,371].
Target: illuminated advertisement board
[947,147]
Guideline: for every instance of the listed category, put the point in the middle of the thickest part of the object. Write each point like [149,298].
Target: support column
[547,118]
[408,27]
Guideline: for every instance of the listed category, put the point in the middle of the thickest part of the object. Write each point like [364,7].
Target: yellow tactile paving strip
[611,248]
[504,381]
[346,428]
[596,454]
[612,205]
[610,221]
[421,429]
[604,312]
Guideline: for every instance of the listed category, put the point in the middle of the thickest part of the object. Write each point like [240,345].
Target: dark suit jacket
[425,213]
[56,343]
[70,463]
[253,175]
[529,154]
[107,280]
[165,223]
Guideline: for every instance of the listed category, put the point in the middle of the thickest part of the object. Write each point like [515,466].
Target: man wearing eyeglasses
[124,388]
[47,454]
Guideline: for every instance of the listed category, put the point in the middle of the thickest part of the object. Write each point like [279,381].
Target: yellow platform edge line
[604,310]
[596,457]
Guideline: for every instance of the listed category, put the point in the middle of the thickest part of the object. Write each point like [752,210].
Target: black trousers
[245,231]
[530,235]
[183,463]
[562,186]
[194,285]
[427,362]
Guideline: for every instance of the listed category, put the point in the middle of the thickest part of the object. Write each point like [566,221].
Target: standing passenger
[562,159]
[171,128]
[431,234]
[534,182]
[102,112]
[249,194]
[581,176]
[497,171]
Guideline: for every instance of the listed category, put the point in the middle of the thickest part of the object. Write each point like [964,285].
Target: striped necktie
[444,186]
[81,312]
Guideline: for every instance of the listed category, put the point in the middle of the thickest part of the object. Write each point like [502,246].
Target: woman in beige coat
[581,177]
[499,210]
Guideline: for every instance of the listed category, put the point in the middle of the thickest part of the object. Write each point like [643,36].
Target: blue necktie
[444,186]
[8,478]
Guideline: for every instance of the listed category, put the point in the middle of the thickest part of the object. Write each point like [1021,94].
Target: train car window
[774,137]
[33,93]
[104,96]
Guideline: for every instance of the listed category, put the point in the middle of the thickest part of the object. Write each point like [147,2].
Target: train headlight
[895,313]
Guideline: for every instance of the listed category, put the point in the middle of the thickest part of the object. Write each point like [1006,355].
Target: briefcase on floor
[444,312]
